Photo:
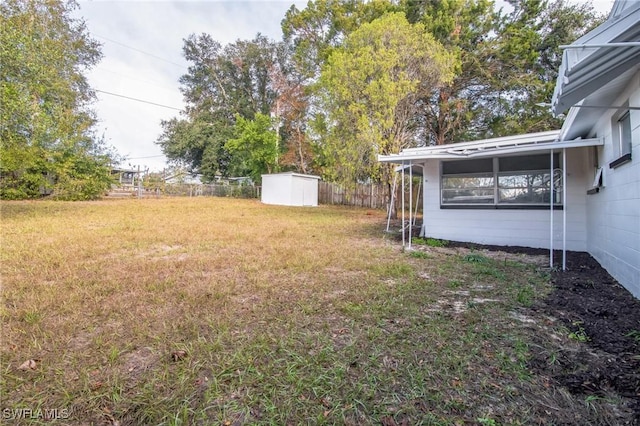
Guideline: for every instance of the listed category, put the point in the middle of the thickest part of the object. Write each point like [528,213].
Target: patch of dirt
[136,362]
[601,361]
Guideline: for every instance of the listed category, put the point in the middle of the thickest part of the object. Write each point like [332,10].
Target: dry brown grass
[207,310]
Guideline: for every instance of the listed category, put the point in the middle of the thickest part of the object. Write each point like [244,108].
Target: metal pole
[410,200]
[139,183]
[564,209]
[403,237]
[551,214]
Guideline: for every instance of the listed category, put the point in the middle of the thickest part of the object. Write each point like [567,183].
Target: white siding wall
[613,225]
[290,189]
[276,189]
[528,228]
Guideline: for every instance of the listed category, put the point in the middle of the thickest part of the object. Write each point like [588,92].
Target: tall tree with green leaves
[508,59]
[47,142]
[371,89]
[255,142]
[467,30]
[222,84]
[323,25]
[530,36]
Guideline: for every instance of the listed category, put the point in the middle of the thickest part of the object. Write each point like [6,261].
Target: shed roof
[293,174]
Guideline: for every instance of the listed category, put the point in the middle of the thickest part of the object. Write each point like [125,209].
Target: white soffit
[582,118]
[586,69]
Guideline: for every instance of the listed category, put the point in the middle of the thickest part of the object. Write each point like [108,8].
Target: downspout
[423,229]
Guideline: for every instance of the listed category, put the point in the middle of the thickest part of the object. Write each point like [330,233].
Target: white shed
[290,189]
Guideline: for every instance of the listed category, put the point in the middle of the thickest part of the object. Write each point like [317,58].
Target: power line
[137,100]
[141,51]
[148,81]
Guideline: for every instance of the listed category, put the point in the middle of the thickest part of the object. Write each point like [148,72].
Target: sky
[142,59]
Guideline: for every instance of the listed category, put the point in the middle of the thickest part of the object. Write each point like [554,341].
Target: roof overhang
[582,118]
[496,147]
[599,57]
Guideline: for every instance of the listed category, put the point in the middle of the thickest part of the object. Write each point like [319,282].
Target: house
[577,188]
[124,178]
[290,189]
[183,177]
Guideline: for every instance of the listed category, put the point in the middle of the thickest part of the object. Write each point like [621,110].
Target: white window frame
[621,132]
[624,141]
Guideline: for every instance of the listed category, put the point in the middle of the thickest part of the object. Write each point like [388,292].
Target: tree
[199,144]
[290,114]
[323,25]
[508,63]
[256,142]
[222,84]
[47,142]
[530,36]
[371,89]
[467,30]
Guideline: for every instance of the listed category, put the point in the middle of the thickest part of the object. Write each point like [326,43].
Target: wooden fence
[374,196]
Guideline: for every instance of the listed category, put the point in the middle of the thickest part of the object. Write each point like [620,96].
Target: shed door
[308,192]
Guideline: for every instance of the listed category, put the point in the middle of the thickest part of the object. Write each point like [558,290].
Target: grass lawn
[221,311]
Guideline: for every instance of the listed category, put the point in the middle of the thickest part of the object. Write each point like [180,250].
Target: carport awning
[511,145]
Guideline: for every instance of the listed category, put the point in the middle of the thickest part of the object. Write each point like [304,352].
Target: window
[621,129]
[468,182]
[624,131]
[472,189]
[527,187]
[502,182]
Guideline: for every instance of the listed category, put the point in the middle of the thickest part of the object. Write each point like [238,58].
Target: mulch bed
[599,313]
[590,303]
